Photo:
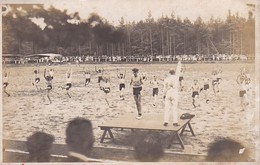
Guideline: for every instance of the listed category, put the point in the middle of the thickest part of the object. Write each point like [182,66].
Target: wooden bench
[151,122]
[16,151]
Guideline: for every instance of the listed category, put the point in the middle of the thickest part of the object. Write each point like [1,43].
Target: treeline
[68,34]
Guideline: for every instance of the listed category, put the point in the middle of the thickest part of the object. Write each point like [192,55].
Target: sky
[136,10]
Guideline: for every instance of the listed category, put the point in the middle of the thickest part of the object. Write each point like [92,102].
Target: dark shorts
[194,94]
[68,86]
[155,91]
[5,84]
[37,80]
[144,77]
[121,86]
[87,79]
[206,86]
[52,77]
[106,90]
[49,87]
[137,90]
[214,82]
[242,93]
[180,78]
[99,79]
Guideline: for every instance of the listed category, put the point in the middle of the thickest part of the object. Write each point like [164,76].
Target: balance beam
[151,122]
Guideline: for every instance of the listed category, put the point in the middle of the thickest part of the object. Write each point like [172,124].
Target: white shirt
[121,80]
[170,82]
[195,88]
[87,75]
[214,77]
[181,74]
[36,75]
[106,85]
[51,73]
[143,74]
[206,80]
[218,75]
[155,83]
[68,79]
[49,82]
[106,76]
[137,81]
[5,79]
[243,86]
[99,74]
[248,86]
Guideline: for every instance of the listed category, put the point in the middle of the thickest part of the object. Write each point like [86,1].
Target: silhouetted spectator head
[227,150]
[79,136]
[39,145]
[148,148]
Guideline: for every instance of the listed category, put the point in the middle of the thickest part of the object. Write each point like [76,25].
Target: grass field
[28,110]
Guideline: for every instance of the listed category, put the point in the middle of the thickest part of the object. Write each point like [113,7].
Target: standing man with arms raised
[170,90]
[48,83]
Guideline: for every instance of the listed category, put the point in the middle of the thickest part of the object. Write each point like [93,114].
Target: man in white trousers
[170,89]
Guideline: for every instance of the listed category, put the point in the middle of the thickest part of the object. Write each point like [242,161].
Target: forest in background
[70,35]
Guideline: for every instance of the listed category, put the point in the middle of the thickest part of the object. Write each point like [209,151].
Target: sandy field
[28,110]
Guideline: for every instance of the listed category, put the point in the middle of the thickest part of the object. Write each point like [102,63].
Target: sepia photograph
[130,81]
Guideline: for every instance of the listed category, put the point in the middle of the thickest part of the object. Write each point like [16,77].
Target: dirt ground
[28,110]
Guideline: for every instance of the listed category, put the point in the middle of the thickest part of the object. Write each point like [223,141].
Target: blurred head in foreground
[148,148]
[39,145]
[227,150]
[79,136]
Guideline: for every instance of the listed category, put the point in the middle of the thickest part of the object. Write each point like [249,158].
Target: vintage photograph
[128,81]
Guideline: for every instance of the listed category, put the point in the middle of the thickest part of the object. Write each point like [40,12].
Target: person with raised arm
[48,83]
[87,76]
[122,81]
[100,74]
[36,78]
[206,86]
[170,90]
[6,81]
[155,86]
[68,81]
[195,92]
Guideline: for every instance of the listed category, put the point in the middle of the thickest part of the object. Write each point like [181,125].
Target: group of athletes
[137,81]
